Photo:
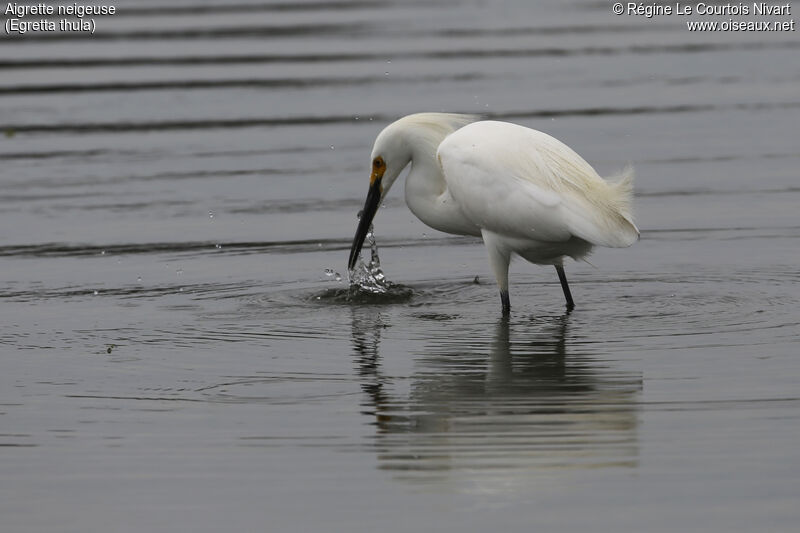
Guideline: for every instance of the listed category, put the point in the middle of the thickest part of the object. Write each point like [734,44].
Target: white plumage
[523,191]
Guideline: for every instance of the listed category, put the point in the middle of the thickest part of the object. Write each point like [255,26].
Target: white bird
[521,190]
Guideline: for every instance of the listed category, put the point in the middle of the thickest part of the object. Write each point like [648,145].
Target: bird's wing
[521,182]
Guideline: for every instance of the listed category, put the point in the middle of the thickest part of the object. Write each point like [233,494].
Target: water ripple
[128,127]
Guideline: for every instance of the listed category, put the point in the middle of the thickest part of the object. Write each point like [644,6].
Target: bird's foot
[506,302]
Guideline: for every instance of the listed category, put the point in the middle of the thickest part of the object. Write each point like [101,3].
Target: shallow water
[174,356]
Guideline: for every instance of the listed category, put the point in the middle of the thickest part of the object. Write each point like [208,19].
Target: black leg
[562,277]
[506,302]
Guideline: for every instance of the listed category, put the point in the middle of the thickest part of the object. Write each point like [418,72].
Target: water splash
[367,283]
[332,274]
[369,277]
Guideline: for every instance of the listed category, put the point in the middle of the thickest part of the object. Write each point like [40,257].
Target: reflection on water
[493,405]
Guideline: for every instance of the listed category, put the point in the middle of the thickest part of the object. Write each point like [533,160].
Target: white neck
[429,199]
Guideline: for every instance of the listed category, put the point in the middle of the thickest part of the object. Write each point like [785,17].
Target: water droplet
[386,73]
[218,246]
[329,272]
[139,279]
[96,293]
[210,214]
[357,117]
[333,147]
[103,252]
[424,235]
[180,289]
[389,61]
[370,119]
[337,277]
[179,271]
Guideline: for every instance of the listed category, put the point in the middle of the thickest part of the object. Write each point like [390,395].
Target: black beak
[367,214]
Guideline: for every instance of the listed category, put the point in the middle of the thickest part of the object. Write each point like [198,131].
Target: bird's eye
[377,163]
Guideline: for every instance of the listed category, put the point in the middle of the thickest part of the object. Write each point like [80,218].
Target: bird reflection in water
[497,407]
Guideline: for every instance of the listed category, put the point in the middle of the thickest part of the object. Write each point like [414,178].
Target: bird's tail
[621,199]
[622,187]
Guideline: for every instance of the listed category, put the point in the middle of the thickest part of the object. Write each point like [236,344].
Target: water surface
[176,353]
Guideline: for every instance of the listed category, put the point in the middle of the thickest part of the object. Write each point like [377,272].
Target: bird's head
[390,155]
[414,137]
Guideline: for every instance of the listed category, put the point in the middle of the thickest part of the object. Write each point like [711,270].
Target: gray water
[179,191]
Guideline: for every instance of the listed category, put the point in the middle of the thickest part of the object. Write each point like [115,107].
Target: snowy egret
[521,190]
